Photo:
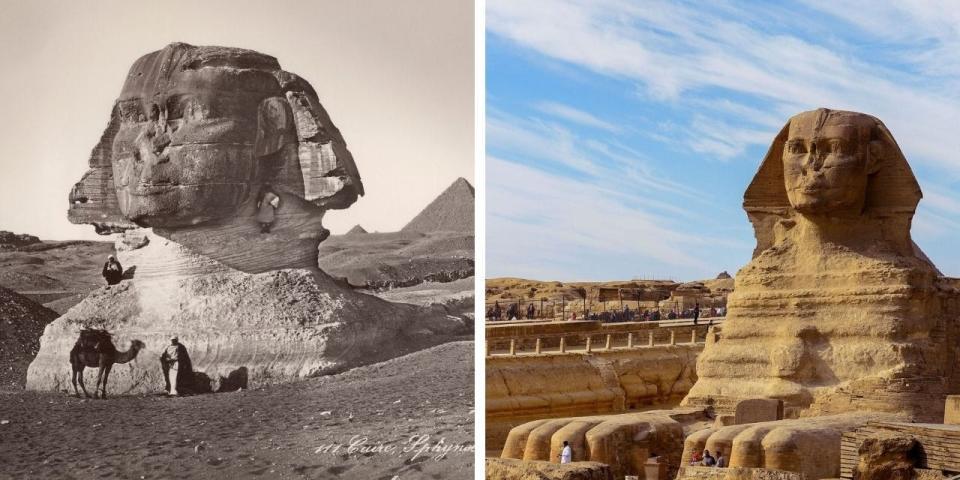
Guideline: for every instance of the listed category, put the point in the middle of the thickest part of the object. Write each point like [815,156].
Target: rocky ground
[21,323]
[297,430]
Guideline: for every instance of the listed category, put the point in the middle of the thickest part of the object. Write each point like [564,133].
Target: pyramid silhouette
[452,211]
[356,230]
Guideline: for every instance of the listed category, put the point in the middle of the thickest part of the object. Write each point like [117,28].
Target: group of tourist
[707,460]
[514,312]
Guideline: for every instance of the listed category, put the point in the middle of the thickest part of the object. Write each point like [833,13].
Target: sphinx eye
[795,146]
[836,146]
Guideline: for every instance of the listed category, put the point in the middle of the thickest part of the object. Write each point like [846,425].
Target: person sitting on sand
[112,271]
[267,204]
[176,365]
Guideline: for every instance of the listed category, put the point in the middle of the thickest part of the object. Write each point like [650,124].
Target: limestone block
[887,456]
[758,410]
[951,414]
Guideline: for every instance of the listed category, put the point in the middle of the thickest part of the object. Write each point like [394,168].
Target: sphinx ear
[274,126]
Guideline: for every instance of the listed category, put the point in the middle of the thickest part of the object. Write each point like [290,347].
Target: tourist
[531,311]
[175,362]
[708,460]
[267,204]
[112,271]
[566,455]
[696,312]
[497,311]
[696,459]
[672,315]
[721,460]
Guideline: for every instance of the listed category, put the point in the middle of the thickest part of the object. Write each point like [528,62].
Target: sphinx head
[828,158]
[197,130]
[832,164]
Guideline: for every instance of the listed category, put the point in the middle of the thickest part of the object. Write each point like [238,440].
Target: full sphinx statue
[839,311]
[196,136]
[839,314]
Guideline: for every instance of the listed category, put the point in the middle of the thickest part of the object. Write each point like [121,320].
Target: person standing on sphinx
[267,204]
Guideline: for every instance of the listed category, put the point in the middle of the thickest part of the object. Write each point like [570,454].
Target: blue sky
[621,135]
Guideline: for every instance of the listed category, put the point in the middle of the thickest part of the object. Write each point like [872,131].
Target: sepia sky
[396,77]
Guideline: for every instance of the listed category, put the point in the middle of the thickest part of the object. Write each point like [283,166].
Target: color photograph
[720,240]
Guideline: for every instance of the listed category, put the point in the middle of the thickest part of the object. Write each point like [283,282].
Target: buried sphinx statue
[195,138]
[839,315]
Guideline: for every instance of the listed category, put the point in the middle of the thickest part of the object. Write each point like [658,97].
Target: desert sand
[273,432]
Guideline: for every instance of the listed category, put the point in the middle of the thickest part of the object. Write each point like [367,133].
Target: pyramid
[357,230]
[452,211]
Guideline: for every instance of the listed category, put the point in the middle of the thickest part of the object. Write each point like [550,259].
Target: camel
[94,349]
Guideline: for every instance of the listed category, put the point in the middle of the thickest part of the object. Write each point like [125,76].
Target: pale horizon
[397,80]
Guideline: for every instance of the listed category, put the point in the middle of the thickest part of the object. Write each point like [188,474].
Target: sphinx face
[184,150]
[826,162]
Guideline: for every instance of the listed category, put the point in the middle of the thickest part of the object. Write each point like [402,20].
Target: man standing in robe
[176,366]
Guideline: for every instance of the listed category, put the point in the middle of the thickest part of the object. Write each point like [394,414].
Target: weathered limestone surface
[624,442]
[736,473]
[758,410]
[951,413]
[887,456]
[195,136]
[839,314]
[505,469]
[839,310]
[520,389]
[241,329]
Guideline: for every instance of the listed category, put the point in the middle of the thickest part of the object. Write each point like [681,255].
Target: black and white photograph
[237,240]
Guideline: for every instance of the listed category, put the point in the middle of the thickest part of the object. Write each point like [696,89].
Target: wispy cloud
[550,226]
[678,52]
[574,115]
[711,84]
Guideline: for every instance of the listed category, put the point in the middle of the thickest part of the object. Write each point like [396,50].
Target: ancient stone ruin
[839,316]
[199,138]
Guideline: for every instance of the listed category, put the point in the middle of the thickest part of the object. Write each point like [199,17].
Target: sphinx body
[196,137]
[839,314]
[839,311]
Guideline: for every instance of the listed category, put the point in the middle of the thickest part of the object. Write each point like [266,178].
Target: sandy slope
[273,432]
[56,274]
